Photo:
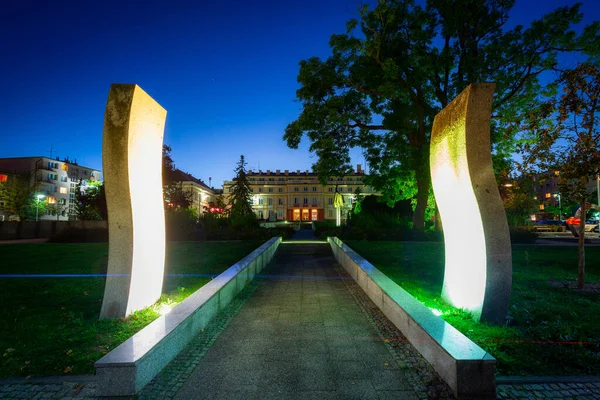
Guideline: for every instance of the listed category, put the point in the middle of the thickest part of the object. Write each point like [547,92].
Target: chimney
[268,172]
[287,171]
[298,171]
[278,172]
[306,172]
[359,169]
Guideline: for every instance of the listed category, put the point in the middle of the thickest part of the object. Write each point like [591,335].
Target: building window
[314,188]
[280,202]
[230,190]
[548,195]
[62,201]
[541,206]
[280,214]
[259,190]
[329,213]
[314,200]
[65,167]
[63,190]
[280,190]
[270,201]
[260,201]
[64,178]
[349,190]
[51,200]
[296,200]
[295,188]
[270,190]
[305,200]
[260,214]
[330,201]
[305,188]
[331,189]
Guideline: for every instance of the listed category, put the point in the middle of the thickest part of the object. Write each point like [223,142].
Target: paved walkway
[302,335]
[303,330]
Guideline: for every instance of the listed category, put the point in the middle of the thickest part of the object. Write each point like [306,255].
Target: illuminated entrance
[305,215]
[314,215]
[296,215]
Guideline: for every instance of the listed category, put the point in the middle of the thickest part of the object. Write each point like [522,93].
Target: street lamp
[37,205]
[557,195]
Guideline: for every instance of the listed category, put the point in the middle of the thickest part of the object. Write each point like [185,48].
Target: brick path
[304,330]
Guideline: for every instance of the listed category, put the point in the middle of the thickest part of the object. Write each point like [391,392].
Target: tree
[519,202]
[241,195]
[381,87]
[18,194]
[563,135]
[90,201]
[357,201]
[173,194]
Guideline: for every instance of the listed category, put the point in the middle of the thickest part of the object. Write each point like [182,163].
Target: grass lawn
[50,325]
[555,329]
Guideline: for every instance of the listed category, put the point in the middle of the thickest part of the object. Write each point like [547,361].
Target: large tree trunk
[423,178]
[581,249]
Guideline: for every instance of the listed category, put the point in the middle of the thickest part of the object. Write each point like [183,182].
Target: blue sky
[224,71]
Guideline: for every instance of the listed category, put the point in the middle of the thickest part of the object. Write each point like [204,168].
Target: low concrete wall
[128,368]
[464,366]
[14,230]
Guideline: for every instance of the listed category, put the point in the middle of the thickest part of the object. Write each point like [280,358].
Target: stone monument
[478,273]
[132,167]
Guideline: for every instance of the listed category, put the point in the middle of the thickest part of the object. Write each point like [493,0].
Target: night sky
[225,71]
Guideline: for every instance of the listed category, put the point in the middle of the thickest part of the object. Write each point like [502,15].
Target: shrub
[523,234]
[80,235]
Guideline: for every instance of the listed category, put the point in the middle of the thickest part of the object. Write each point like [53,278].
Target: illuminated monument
[478,274]
[132,159]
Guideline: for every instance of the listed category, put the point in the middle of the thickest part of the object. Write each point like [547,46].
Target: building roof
[66,160]
[180,176]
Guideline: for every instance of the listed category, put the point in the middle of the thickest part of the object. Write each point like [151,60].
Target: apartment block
[57,179]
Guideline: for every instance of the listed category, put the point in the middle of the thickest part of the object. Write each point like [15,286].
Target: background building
[298,196]
[57,179]
[547,193]
[201,195]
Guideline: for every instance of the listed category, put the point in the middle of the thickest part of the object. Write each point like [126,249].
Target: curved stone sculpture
[132,166]
[478,274]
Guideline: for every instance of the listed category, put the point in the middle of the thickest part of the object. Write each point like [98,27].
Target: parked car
[550,225]
[573,226]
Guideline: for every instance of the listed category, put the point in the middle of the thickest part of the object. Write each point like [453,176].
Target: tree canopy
[400,63]
[18,195]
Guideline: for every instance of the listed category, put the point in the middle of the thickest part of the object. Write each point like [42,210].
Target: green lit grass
[50,326]
[554,329]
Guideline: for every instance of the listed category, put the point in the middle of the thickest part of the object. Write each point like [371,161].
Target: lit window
[548,195]
[63,190]
[51,200]
[541,206]
[3,178]
[65,167]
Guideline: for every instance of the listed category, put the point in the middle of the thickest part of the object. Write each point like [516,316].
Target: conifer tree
[241,194]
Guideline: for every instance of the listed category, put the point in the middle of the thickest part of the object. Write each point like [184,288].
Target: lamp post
[37,204]
[557,195]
